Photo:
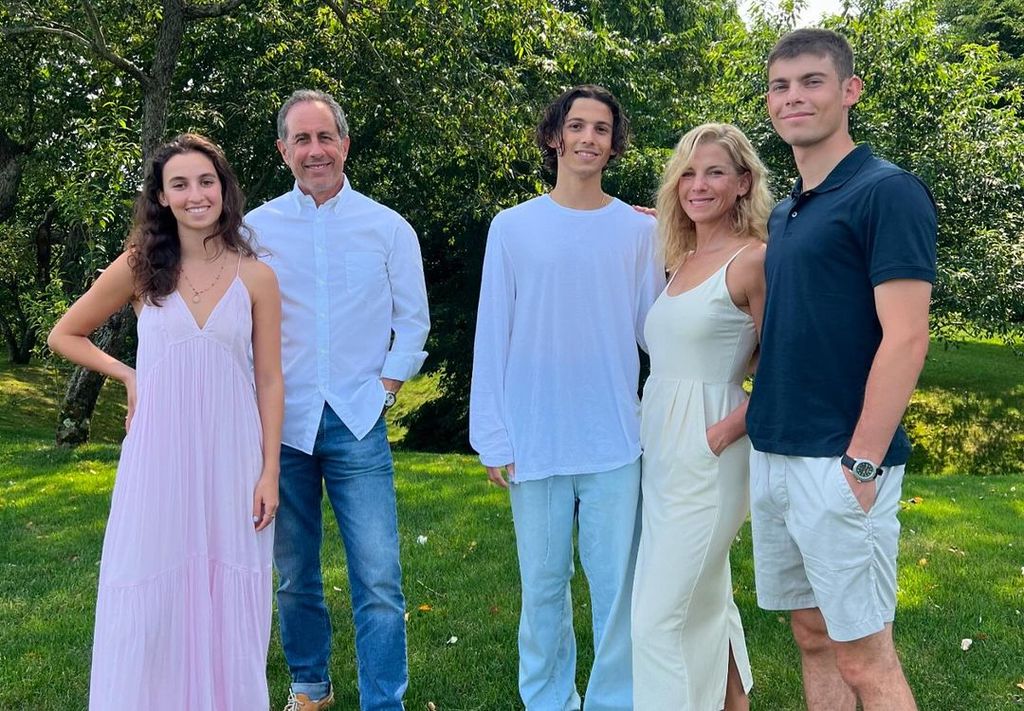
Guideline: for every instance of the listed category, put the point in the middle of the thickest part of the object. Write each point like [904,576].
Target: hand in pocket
[864,491]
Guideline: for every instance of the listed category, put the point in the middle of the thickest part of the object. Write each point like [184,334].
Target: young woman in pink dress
[184,602]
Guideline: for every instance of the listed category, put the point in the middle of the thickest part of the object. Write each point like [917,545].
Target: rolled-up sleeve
[410,317]
[488,432]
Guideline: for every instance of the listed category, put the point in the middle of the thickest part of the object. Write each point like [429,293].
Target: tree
[85,29]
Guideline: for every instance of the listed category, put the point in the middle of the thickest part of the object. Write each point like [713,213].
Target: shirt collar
[849,166]
[304,202]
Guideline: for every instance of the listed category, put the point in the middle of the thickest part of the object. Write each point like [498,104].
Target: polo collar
[848,167]
[302,201]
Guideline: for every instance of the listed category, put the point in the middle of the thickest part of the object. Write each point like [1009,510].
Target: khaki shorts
[814,546]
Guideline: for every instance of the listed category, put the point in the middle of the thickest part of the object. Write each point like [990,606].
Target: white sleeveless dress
[684,616]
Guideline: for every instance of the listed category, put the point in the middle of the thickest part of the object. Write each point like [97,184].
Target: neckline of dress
[706,280]
[213,311]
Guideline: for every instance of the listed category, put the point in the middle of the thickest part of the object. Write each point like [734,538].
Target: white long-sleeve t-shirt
[354,306]
[555,364]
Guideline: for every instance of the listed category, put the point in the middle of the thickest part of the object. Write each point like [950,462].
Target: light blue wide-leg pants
[605,507]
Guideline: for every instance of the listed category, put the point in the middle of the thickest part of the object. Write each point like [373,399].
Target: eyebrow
[600,122]
[802,77]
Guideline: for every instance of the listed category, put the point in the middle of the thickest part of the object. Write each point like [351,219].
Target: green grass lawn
[961,568]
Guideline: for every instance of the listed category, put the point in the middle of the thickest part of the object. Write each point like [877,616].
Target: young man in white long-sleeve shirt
[568,278]
[354,323]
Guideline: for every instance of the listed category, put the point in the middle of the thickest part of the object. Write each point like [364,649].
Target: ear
[345,143]
[162,199]
[282,148]
[851,91]
[745,180]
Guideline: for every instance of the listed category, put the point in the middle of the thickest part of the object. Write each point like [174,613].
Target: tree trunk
[10,174]
[73,424]
[74,420]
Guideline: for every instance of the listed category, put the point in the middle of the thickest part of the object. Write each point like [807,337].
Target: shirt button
[793,214]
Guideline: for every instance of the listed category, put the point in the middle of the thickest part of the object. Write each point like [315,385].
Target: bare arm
[902,307]
[745,280]
[114,288]
[266,349]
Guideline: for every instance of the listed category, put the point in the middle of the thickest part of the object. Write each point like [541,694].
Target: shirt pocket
[364,271]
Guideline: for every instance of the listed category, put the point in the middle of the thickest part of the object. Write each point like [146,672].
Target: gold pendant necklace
[197,294]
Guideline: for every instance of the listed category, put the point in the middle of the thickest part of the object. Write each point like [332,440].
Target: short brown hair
[820,43]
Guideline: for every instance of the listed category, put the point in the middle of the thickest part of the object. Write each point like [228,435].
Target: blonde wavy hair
[677,234]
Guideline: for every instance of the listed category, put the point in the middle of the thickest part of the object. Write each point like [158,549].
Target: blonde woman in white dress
[689,652]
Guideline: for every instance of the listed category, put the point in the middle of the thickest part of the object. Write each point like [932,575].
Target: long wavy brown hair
[153,244]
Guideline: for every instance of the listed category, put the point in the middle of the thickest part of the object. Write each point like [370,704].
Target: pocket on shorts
[846,492]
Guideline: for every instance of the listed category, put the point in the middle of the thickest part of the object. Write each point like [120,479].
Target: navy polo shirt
[868,222]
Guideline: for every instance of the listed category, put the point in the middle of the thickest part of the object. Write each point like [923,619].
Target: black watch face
[864,471]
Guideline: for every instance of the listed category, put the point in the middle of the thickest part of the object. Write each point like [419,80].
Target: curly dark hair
[549,130]
[153,245]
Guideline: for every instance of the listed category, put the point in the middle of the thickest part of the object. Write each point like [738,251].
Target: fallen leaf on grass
[424,608]
[1020,684]
[431,706]
[923,562]
[966,643]
[452,640]
[915,500]
[407,616]
[981,636]
[494,609]
[954,549]
[421,539]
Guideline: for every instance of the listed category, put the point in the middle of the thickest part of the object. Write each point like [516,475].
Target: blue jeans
[606,508]
[359,478]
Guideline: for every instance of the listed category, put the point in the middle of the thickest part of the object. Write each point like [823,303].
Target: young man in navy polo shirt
[849,267]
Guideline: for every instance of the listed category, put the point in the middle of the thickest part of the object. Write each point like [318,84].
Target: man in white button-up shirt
[354,324]
[567,281]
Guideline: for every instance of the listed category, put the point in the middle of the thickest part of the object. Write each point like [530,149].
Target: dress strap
[726,265]
[238,267]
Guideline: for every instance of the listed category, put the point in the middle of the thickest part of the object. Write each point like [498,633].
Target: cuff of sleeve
[402,366]
[497,459]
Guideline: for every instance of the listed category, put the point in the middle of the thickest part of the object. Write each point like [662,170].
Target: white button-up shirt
[351,278]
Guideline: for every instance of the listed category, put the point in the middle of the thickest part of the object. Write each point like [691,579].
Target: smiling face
[314,150]
[711,185]
[192,190]
[808,102]
[586,138]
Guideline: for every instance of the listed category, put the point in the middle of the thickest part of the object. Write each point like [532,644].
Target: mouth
[802,114]
[586,155]
[318,166]
[197,210]
[700,202]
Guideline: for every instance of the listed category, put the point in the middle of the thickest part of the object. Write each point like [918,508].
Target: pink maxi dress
[184,603]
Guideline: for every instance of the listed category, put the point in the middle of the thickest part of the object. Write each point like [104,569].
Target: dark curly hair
[153,245]
[549,130]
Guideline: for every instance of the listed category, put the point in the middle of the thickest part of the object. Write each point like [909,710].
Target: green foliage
[442,98]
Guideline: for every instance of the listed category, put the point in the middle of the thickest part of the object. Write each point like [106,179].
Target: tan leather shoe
[301,702]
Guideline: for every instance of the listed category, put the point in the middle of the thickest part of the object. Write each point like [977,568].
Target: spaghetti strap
[737,253]
[238,267]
